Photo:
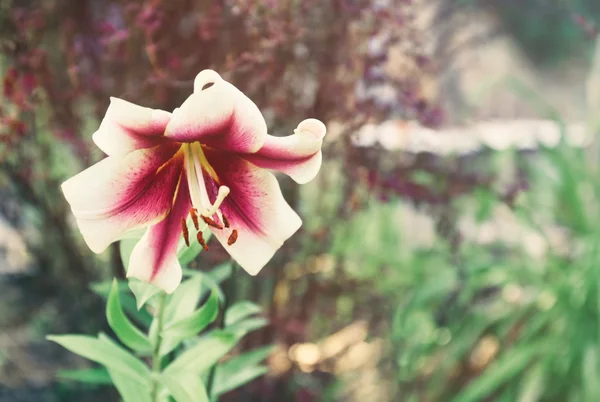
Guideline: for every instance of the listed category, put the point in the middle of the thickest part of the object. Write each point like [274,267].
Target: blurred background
[451,243]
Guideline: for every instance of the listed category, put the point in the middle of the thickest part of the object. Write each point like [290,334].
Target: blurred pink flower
[208,159]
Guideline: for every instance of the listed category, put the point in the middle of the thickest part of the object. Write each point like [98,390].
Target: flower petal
[127,127]
[154,257]
[255,207]
[297,155]
[219,115]
[121,193]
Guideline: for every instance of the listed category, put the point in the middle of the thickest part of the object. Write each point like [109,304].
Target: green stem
[156,358]
[211,374]
[221,325]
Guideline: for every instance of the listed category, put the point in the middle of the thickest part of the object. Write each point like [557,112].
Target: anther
[201,240]
[186,234]
[211,223]
[194,215]
[232,237]
[225,221]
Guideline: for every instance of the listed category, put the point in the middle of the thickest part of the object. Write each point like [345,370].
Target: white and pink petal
[122,193]
[255,207]
[298,155]
[154,257]
[219,115]
[127,127]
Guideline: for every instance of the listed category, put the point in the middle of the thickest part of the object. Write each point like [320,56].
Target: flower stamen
[211,222]
[201,240]
[186,234]
[225,221]
[232,237]
[194,214]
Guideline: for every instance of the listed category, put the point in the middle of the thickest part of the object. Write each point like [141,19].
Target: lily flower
[211,159]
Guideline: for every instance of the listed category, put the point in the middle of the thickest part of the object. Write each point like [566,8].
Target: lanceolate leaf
[180,305]
[221,272]
[509,365]
[251,358]
[532,384]
[248,325]
[129,334]
[130,391]
[106,353]
[142,291]
[129,305]
[240,311]
[240,370]
[97,376]
[191,325]
[207,352]
[227,383]
[127,300]
[184,300]
[185,387]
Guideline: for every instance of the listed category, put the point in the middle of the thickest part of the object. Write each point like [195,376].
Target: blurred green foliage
[492,321]
[549,32]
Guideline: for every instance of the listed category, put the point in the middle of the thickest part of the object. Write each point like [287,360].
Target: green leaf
[241,310]
[130,391]
[240,370]
[129,306]
[142,291]
[248,325]
[185,387]
[221,272]
[106,353]
[88,376]
[204,354]
[225,384]
[509,365]
[129,334]
[191,325]
[214,277]
[127,300]
[251,358]
[532,385]
[590,373]
[180,305]
[183,301]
